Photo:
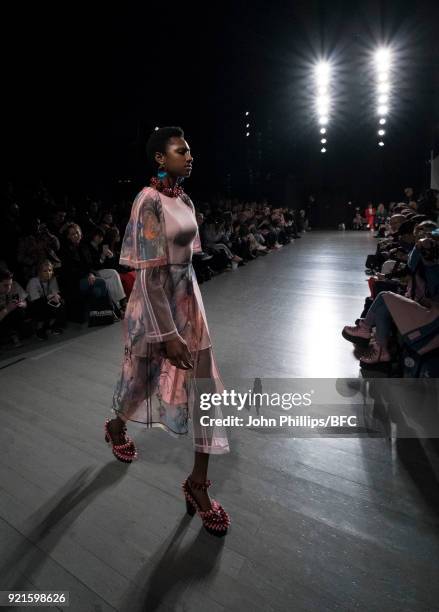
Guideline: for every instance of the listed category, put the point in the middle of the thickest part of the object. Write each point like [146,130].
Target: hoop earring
[162,174]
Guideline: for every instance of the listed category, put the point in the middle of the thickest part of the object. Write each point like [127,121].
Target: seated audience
[414,315]
[96,254]
[66,276]
[213,236]
[13,307]
[80,286]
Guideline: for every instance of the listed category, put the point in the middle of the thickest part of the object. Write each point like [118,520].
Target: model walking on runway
[169,361]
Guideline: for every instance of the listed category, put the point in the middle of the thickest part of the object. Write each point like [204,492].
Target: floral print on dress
[144,241]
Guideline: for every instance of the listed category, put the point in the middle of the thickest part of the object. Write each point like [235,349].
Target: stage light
[383,75]
[248,134]
[322,72]
[247,113]
[322,95]
[247,125]
[323,103]
[383,88]
[383,61]
[323,150]
[323,141]
[383,58]
[156,128]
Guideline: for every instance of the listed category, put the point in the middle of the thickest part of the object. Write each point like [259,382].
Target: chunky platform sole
[216,521]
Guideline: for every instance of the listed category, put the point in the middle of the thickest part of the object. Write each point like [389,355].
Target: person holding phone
[12,308]
[169,360]
[46,303]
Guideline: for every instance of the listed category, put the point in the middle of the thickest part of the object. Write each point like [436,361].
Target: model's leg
[115,428]
[205,384]
[199,474]
[132,391]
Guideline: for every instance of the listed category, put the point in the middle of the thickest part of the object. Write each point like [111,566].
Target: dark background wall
[84,90]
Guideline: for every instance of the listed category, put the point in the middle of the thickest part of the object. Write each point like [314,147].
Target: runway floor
[318,523]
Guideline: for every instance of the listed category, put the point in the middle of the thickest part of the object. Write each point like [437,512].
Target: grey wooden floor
[317,523]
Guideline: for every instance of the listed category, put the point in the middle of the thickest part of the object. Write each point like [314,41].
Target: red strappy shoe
[125,452]
[216,520]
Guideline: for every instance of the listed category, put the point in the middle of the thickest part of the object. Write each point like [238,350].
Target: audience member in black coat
[78,282]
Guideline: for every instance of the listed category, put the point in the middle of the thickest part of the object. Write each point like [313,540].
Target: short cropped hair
[158,141]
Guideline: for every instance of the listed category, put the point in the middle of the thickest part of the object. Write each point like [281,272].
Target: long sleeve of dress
[151,313]
[159,324]
[144,242]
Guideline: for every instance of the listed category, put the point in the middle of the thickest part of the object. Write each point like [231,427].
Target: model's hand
[178,354]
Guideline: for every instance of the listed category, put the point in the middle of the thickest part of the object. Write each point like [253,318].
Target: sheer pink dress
[166,303]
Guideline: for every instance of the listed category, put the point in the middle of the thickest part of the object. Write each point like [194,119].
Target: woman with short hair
[169,361]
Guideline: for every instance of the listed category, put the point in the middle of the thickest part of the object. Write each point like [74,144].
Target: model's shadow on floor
[166,575]
[46,526]
[162,582]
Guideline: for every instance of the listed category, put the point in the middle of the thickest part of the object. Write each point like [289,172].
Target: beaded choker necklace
[171,192]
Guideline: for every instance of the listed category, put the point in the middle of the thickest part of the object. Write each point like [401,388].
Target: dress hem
[197,447]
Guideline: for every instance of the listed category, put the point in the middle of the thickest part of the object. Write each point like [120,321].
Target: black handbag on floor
[100,312]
